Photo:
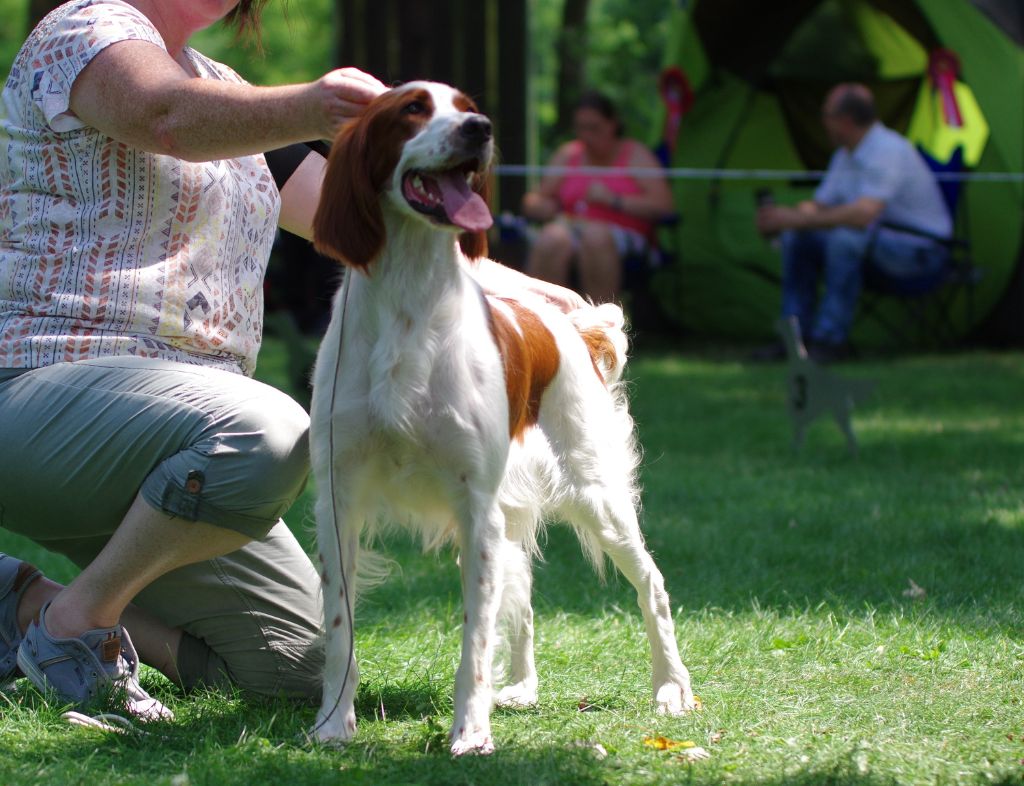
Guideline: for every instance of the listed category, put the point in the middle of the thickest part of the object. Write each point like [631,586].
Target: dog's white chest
[401,370]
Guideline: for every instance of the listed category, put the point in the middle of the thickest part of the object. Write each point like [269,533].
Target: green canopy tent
[759,73]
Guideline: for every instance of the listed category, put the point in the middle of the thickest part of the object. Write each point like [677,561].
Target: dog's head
[426,150]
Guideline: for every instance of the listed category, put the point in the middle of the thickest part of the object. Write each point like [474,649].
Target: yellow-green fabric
[929,129]
[760,72]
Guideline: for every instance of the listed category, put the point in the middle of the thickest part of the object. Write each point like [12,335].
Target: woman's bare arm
[541,204]
[300,195]
[655,198]
[135,92]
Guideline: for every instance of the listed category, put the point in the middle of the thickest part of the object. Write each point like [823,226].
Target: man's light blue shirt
[887,167]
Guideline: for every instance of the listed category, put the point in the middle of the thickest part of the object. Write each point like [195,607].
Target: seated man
[875,177]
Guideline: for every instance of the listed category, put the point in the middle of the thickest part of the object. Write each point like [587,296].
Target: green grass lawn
[787,572]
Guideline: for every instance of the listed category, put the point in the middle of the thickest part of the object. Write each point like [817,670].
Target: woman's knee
[243,472]
[550,253]
[554,238]
[279,429]
[596,237]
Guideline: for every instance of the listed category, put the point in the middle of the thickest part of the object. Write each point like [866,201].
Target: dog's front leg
[339,548]
[482,541]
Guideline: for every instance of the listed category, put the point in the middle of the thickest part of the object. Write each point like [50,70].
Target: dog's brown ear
[349,224]
[474,244]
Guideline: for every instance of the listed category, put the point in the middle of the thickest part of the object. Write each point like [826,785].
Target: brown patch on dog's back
[531,361]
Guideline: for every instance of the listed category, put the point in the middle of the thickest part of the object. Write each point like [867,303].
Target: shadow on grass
[210,749]
[213,751]
[403,700]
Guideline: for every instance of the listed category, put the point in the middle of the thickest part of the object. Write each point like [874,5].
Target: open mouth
[447,196]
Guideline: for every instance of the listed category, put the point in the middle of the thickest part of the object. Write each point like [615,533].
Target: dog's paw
[674,699]
[336,730]
[479,743]
[520,695]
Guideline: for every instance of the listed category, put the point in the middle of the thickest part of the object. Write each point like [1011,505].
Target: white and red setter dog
[471,419]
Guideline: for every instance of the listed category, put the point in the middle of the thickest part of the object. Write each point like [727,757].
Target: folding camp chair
[924,304]
[638,272]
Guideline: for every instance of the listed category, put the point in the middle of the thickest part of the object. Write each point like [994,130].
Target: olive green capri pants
[79,441]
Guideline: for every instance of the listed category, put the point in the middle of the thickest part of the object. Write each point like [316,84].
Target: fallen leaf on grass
[915,592]
[665,744]
[716,736]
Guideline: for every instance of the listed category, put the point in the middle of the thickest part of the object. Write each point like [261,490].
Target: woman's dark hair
[602,104]
[245,19]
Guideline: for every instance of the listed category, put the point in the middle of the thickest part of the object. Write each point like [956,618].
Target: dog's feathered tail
[602,330]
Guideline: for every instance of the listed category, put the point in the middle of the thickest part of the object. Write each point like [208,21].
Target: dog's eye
[414,108]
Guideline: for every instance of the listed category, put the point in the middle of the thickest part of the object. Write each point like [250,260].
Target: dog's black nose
[476,129]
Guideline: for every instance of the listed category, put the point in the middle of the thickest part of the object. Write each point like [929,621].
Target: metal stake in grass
[814,391]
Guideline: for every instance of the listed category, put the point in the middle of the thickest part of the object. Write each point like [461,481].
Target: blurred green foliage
[298,40]
[298,43]
[625,45]
[12,31]
[626,42]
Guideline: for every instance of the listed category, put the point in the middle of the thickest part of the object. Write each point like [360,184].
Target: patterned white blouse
[109,250]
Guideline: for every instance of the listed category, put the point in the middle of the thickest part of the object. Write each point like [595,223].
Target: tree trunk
[572,49]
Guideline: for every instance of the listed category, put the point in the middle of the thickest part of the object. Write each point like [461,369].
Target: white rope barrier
[689,173]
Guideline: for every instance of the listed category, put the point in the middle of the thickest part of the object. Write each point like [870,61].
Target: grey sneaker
[15,576]
[100,664]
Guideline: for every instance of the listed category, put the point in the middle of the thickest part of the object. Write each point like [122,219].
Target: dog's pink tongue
[464,207]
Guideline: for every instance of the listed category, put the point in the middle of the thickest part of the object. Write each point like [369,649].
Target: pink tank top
[572,192]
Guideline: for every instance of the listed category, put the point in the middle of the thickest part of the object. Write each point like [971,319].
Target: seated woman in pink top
[594,220]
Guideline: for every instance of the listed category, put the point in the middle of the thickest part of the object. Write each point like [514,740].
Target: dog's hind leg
[516,618]
[611,519]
